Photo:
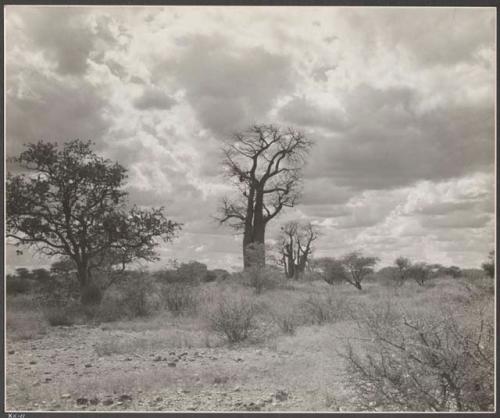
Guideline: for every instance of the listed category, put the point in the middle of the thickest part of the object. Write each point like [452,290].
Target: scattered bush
[178,298]
[25,325]
[330,269]
[321,308]
[263,278]
[420,272]
[60,316]
[111,309]
[287,318]
[418,363]
[233,316]
[16,285]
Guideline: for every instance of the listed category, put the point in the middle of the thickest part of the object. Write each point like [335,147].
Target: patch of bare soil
[63,370]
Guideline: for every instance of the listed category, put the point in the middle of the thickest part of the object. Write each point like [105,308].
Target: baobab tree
[264,162]
[295,247]
[70,202]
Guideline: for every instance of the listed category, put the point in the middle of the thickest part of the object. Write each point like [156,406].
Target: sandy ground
[65,369]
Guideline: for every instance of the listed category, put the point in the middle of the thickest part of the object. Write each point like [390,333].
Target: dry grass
[300,344]
[25,321]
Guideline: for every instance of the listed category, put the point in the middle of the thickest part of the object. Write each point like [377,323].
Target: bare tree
[264,163]
[295,246]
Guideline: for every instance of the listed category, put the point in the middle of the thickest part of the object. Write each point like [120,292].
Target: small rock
[119,403]
[128,359]
[172,353]
[158,399]
[238,359]
[65,396]
[107,402]
[236,389]
[11,351]
[281,395]
[94,401]
[48,379]
[183,354]
[32,362]
[157,358]
[172,364]
[82,401]
[88,365]
[124,398]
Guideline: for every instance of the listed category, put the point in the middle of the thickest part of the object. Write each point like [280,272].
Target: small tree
[403,265]
[420,272]
[295,247]
[70,203]
[489,266]
[331,270]
[357,267]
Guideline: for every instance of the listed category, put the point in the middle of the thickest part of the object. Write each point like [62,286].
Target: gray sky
[400,104]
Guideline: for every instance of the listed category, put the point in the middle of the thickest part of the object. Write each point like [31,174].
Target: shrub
[136,289]
[58,315]
[422,363]
[16,285]
[287,320]
[178,298]
[111,309]
[321,308]
[233,316]
[263,278]
[91,295]
[25,325]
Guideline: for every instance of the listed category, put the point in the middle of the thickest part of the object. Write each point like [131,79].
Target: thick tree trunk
[90,294]
[254,235]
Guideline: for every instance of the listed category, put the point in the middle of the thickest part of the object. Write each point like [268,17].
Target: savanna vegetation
[98,331]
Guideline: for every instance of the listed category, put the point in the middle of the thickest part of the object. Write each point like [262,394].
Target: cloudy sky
[400,104]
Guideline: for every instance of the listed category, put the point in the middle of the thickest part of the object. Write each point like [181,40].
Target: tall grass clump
[326,307]
[179,298]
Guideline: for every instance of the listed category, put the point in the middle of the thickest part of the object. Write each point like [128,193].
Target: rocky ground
[70,368]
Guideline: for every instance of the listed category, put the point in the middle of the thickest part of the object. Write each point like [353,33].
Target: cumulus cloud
[154,98]
[230,86]
[399,103]
[390,143]
[53,110]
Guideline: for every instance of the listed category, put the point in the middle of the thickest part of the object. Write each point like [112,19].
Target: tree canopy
[69,202]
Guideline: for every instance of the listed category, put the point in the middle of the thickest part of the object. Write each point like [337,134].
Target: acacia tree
[403,265]
[295,246]
[264,164]
[70,203]
[357,267]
